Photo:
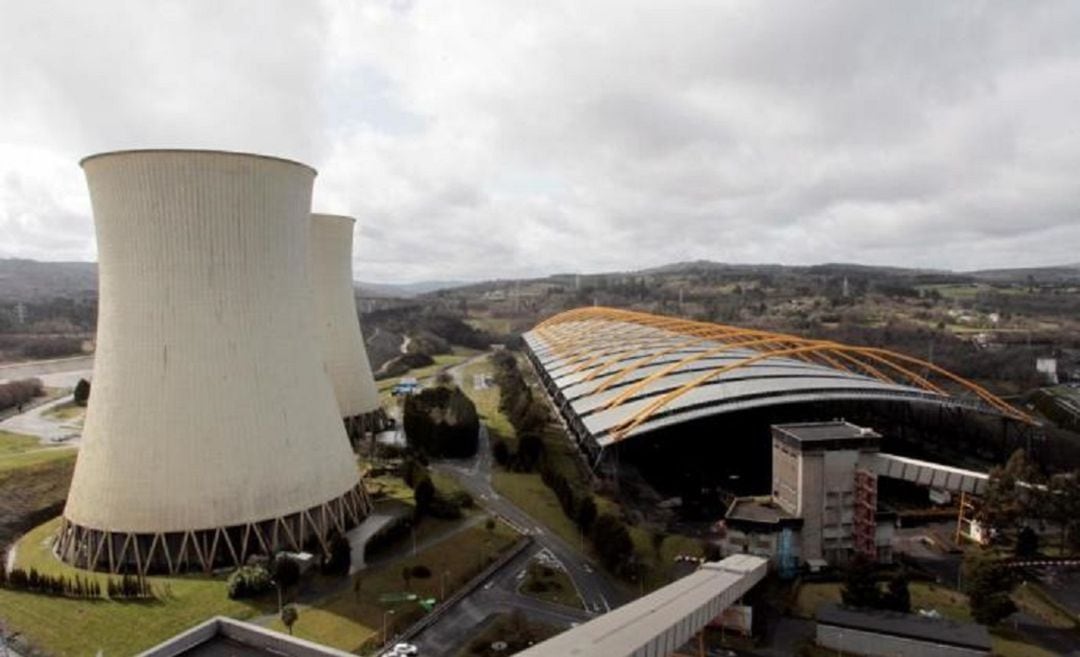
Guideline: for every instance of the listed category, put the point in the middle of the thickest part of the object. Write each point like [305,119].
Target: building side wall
[785,469]
[811,502]
[210,404]
[340,337]
[884,645]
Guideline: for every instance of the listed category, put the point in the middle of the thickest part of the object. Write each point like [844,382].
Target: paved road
[58,373]
[35,423]
[598,592]
[497,595]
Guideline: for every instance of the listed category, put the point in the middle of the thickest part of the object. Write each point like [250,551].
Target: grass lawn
[16,443]
[353,616]
[551,585]
[531,495]
[517,633]
[487,400]
[64,627]
[12,462]
[1031,599]
[458,355]
[950,603]
[66,411]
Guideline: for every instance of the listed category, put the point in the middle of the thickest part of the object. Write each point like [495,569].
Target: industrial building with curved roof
[618,373]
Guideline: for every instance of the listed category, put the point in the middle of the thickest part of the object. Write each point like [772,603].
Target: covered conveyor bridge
[659,623]
[618,373]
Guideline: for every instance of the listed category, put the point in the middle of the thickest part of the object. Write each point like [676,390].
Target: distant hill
[406,290]
[30,280]
[1058,274]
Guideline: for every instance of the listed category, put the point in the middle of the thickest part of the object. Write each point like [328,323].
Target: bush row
[127,587]
[16,393]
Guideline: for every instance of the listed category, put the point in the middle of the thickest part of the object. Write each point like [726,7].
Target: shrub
[247,582]
[420,571]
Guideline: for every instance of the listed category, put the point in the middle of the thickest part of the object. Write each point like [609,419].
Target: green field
[551,585]
[66,411]
[16,443]
[951,604]
[487,400]
[13,462]
[67,627]
[350,618]
[531,495]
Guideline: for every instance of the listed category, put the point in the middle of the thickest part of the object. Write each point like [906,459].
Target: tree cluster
[528,415]
[441,422]
[16,393]
[127,587]
[988,586]
[862,590]
[340,558]
[1018,496]
[612,541]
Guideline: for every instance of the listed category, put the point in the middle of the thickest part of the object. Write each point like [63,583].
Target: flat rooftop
[759,511]
[826,435]
[225,637]
[910,626]
[669,610]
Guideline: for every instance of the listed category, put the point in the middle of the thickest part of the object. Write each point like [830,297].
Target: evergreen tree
[987,585]
[860,587]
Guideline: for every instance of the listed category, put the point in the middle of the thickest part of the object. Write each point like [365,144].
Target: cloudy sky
[505,138]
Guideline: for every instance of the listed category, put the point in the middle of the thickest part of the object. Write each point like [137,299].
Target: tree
[860,587]
[586,513]
[1027,542]
[1005,506]
[82,392]
[284,571]
[612,541]
[658,538]
[897,597]
[424,494]
[530,449]
[339,559]
[500,451]
[987,585]
[289,615]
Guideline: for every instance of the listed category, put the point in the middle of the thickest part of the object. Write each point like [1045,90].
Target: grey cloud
[481,139]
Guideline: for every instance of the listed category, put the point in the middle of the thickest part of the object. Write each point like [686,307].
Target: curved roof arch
[622,372]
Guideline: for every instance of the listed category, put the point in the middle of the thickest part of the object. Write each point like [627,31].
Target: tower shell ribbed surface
[209,406]
[341,338]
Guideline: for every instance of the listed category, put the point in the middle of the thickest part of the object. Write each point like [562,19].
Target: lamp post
[386,613]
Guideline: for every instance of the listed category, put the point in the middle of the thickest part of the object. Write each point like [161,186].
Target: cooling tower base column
[207,549]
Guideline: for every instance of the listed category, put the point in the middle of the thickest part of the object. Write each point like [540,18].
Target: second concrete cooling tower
[212,431]
[344,354]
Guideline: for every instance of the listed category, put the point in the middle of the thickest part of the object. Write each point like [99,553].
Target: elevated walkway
[932,475]
[659,623]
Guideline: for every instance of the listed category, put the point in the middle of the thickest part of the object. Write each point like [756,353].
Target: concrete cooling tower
[212,432]
[344,354]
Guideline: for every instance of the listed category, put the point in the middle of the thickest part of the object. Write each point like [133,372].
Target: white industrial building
[340,337]
[822,508]
[212,432]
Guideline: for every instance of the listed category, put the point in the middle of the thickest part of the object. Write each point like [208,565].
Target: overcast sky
[504,139]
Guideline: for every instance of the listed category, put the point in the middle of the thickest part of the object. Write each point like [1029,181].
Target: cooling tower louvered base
[206,549]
